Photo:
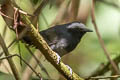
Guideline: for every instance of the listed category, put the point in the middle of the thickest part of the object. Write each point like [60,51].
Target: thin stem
[10,61]
[37,61]
[105,77]
[114,66]
[10,56]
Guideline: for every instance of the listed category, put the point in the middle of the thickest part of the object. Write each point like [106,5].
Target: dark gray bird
[63,38]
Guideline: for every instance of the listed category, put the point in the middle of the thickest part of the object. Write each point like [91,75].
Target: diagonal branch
[35,60]
[10,56]
[11,63]
[114,66]
[50,55]
[39,43]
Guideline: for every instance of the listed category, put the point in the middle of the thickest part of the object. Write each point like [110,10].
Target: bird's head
[77,28]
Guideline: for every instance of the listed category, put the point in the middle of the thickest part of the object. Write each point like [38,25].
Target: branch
[74,9]
[10,56]
[39,43]
[105,77]
[50,55]
[10,61]
[61,12]
[114,66]
[34,61]
[103,69]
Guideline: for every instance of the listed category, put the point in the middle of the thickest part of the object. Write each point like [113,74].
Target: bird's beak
[87,30]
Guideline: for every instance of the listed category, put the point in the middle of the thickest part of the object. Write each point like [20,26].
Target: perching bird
[63,38]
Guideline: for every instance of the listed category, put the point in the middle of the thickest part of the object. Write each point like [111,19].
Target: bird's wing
[49,36]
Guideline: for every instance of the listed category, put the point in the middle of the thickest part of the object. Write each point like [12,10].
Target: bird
[63,38]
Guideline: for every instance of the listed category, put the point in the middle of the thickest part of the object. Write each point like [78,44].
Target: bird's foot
[58,58]
[69,70]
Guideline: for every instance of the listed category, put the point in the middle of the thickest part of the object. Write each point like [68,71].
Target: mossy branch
[50,55]
[39,42]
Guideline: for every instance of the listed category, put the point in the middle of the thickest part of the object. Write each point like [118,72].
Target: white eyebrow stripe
[76,24]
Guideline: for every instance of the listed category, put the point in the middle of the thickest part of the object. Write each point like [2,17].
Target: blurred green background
[88,55]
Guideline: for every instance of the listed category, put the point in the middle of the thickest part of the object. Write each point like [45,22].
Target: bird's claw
[58,58]
[69,70]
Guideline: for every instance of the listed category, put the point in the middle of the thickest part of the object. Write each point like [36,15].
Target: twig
[20,36]
[5,15]
[102,69]
[4,31]
[11,63]
[101,41]
[8,46]
[37,61]
[27,71]
[40,7]
[10,56]
[6,68]
[38,11]
[105,77]
[19,50]
[61,12]
[73,9]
